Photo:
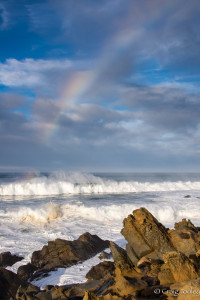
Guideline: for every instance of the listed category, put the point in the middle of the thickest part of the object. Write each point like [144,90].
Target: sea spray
[81,183]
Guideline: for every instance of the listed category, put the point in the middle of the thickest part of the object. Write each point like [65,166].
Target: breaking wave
[77,183]
[44,214]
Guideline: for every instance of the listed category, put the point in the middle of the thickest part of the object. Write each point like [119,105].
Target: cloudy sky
[100,85]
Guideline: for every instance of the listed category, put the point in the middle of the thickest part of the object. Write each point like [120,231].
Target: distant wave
[79,183]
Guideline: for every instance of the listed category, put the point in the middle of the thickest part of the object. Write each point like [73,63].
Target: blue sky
[91,85]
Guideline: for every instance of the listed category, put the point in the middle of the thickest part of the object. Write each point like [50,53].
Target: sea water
[38,207]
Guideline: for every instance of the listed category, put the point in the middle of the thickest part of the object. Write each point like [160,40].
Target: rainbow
[79,82]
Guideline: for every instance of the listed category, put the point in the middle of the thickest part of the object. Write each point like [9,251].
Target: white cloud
[29,72]
[3,17]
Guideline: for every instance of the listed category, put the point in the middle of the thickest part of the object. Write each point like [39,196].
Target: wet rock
[185,237]
[39,274]
[177,267]
[145,236]
[9,284]
[63,253]
[105,255]
[7,259]
[25,272]
[102,270]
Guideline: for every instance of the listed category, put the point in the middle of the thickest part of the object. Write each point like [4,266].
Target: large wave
[80,183]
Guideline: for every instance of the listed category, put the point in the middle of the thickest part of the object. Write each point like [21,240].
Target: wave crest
[48,212]
[79,183]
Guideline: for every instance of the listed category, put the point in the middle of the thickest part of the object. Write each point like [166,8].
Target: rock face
[187,290]
[145,236]
[177,267]
[9,283]
[7,259]
[24,272]
[63,253]
[104,270]
[120,257]
[185,237]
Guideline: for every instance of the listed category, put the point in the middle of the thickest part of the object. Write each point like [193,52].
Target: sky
[89,85]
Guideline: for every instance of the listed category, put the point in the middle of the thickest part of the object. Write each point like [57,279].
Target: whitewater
[38,207]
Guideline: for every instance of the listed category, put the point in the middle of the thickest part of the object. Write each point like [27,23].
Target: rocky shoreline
[158,263]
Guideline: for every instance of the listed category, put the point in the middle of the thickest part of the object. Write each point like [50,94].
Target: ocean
[38,207]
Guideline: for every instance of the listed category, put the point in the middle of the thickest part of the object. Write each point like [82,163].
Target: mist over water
[38,207]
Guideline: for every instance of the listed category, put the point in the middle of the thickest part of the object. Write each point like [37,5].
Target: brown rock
[24,272]
[7,259]
[9,283]
[177,268]
[92,296]
[63,253]
[120,257]
[150,267]
[102,270]
[187,290]
[145,236]
[125,286]
[185,237]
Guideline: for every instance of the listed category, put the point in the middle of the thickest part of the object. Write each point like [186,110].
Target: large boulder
[63,253]
[145,236]
[8,259]
[177,267]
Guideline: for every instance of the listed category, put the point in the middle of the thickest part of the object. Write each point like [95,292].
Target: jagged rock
[120,257]
[177,267]
[105,255]
[63,253]
[185,237]
[9,283]
[104,269]
[125,285]
[150,267]
[184,224]
[7,259]
[24,272]
[145,236]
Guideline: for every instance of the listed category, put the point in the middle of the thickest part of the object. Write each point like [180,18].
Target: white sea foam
[78,183]
[42,214]
[27,225]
